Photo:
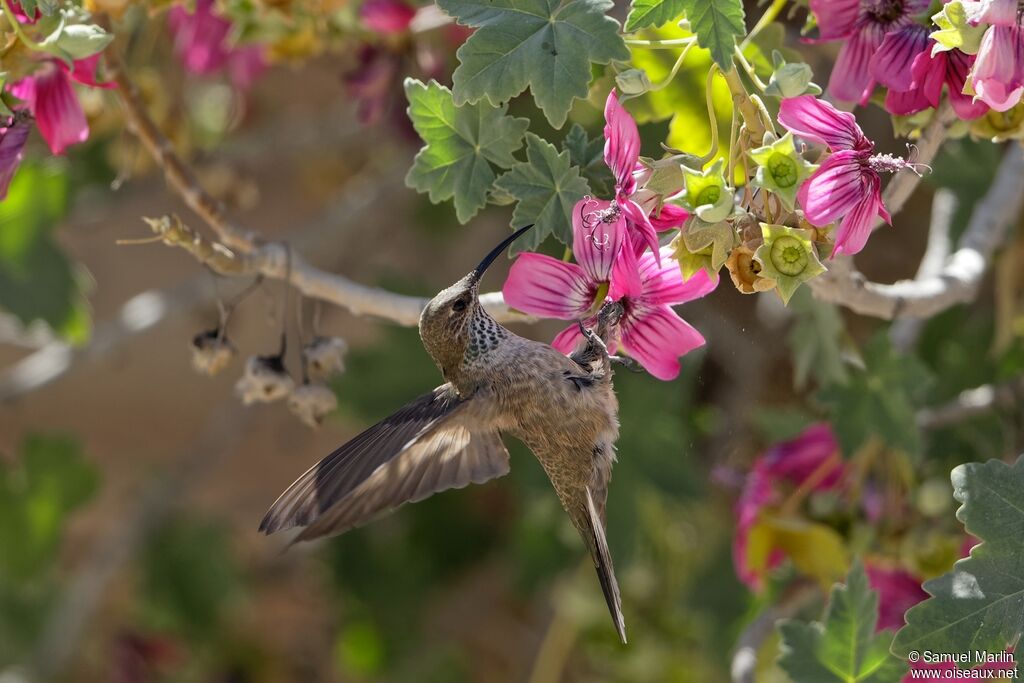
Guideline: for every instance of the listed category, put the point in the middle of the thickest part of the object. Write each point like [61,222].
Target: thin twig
[958,281]
[905,331]
[974,402]
[744,656]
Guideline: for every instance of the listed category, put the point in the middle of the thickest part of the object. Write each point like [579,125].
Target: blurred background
[131,486]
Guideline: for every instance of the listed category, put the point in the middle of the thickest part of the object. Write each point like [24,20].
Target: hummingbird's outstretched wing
[434,443]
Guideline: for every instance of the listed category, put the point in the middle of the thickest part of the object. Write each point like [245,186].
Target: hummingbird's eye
[459,305]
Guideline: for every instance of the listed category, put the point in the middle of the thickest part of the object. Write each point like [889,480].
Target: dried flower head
[324,356]
[746,272]
[311,403]
[265,379]
[211,352]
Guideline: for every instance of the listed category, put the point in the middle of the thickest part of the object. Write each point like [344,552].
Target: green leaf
[880,400]
[979,605]
[844,648]
[37,280]
[461,145]
[717,23]
[644,13]
[589,156]
[544,44]
[546,186]
[814,341]
[37,493]
[28,7]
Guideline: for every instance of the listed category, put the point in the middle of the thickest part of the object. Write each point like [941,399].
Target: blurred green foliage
[39,489]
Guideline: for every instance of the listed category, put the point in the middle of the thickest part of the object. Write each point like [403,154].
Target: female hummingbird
[496,382]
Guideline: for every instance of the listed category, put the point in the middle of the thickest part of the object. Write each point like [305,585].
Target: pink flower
[622,155]
[51,99]
[387,17]
[930,72]
[12,142]
[608,266]
[998,75]
[201,43]
[545,286]
[898,591]
[846,186]
[811,453]
[880,40]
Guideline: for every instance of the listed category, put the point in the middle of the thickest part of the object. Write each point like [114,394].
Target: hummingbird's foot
[627,362]
[593,339]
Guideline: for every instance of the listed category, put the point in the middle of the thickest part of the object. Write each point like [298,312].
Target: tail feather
[605,570]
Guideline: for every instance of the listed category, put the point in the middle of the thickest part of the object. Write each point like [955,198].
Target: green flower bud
[662,176]
[954,30]
[701,245]
[787,256]
[781,169]
[633,81]
[76,41]
[707,193]
[790,80]
[998,126]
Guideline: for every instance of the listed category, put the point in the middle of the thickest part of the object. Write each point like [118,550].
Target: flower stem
[770,15]
[825,468]
[712,117]
[751,73]
[661,44]
[18,30]
[675,69]
[752,119]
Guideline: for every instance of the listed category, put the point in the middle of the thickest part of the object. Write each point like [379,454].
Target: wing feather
[434,443]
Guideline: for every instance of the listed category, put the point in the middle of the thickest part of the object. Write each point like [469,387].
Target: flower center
[782,169]
[788,255]
[884,11]
[709,195]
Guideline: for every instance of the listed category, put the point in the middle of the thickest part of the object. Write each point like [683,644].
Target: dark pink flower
[387,17]
[880,40]
[930,73]
[51,99]
[846,186]
[372,82]
[898,591]
[811,453]
[12,143]
[622,155]
[998,75]
[201,42]
[545,286]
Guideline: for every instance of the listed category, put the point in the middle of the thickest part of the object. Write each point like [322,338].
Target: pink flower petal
[851,79]
[656,337]
[891,63]
[12,143]
[544,286]
[84,72]
[995,12]
[626,281]
[898,591]
[598,236]
[621,144]
[388,17]
[246,64]
[568,339]
[958,67]
[836,18]
[836,187]
[663,283]
[800,457]
[669,216]
[855,229]
[998,74]
[757,493]
[905,103]
[818,121]
[199,38]
[643,234]
[53,102]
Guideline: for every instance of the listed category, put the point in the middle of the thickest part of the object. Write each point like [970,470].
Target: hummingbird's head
[445,323]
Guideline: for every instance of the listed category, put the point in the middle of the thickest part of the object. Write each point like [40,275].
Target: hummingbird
[562,407]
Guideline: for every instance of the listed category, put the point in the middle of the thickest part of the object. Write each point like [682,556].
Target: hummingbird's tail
[598,545]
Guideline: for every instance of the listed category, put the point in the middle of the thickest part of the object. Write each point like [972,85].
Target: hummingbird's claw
[627,363]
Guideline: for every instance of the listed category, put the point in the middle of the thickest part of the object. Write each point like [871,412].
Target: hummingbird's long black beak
[478,272]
